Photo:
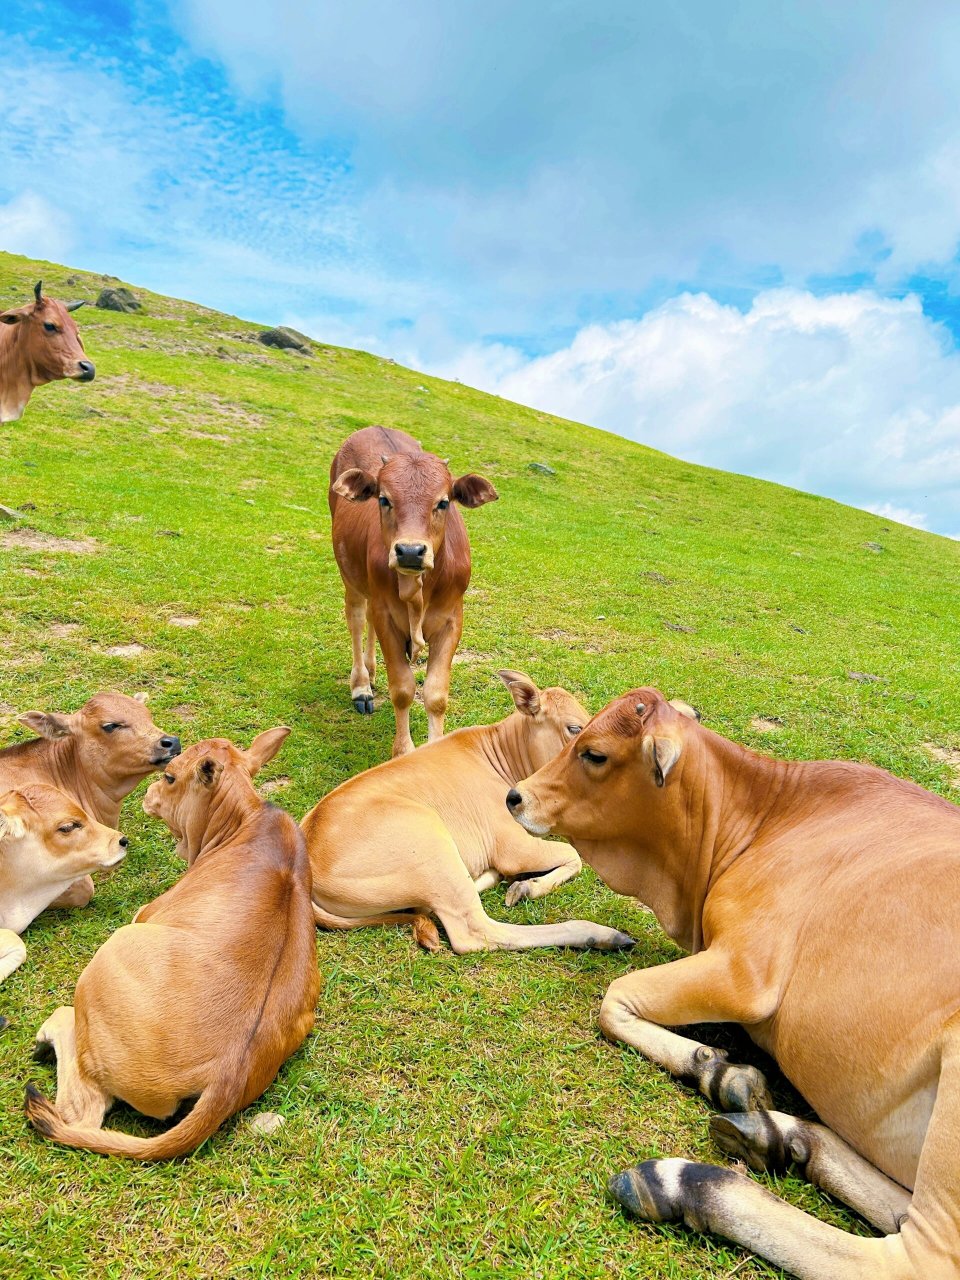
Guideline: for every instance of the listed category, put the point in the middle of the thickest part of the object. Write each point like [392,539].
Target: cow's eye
[50,328]
[168,777]
[109,728]
[443,504]
[593,757]
[384,502]
[67,827]
[574,729]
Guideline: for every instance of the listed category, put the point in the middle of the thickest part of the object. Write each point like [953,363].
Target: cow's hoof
[618,942]
[760,1140]
[651,1191]
[43,1051]
[4,1022]
[517,892]
[730,1087]
[364,704]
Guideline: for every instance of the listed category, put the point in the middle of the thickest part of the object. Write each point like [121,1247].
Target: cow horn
[641,708]
[75,306]
[37,290]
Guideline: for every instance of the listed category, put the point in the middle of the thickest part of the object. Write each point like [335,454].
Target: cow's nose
[171,744]
[514,799]
[410,553]
[87,371]
[124,842]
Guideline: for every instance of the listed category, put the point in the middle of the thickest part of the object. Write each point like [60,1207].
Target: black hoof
[364,704]
[728,1086]
[649,1191]
[43,1051]
[4,1022]
[755,1138]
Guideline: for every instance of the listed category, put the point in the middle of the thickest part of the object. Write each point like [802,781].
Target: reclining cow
[405,564]
[211,989]
[820,902]
[47,842]
[428,832]
[96,755]
[39,343]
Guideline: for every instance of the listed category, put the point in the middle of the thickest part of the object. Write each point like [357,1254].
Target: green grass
[450,1116]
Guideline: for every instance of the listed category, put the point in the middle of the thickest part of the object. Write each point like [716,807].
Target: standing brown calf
[821,904]
[96,755]
[405,564]
[212,988]
[39,343]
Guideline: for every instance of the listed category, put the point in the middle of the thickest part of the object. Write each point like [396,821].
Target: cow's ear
[264,747]
[11,317]
[473,491]
[525,694]
[208,771]
[685,709]
[661,754]
[48,724]
[356,485]
[11,824]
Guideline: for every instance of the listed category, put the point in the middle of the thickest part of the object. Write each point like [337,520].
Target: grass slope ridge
[449,1117]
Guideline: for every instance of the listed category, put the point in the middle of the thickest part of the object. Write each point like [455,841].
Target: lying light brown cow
[212,988]
[405,564]
[821,904]
[39,343]
[428,832]
[96,755]
[46,843]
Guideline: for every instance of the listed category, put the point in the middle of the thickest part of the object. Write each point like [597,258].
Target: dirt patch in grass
[766,724]
[209,435]
[33,540]
[273,785]
[60,630]
[132,650]
[184,711]
[183,620]
[945,755]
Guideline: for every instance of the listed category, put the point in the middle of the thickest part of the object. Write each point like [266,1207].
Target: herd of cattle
[819,901]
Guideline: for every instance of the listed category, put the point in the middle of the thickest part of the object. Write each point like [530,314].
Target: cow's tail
[215,1104]
[424,930]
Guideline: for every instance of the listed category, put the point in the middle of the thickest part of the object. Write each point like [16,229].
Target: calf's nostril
[514,798]
[124,842]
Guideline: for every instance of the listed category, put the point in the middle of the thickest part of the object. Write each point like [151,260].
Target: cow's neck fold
[72,775]
[505,746]
[15,380]
[232,806]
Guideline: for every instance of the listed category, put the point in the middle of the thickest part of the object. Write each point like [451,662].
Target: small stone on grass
[267,1122]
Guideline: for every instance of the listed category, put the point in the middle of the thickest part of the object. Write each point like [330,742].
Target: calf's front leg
[13,952]
[706,987]
[361,690]
[77,895]
[436,684]
[400,679]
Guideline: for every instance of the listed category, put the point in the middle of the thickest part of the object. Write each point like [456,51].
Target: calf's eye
[384,502]
[50,328]
[66,827]
[443,504]
[109,728]
[593,757]
[168,777]
[574,729]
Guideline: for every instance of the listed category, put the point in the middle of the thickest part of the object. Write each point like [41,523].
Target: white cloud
[32,226]
[851,395]
[900,515]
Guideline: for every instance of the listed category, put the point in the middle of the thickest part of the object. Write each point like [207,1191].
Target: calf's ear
[356,485]
[209,771]
[11,317]
[48,724]
[264,747]
[525,694]
[660,754]
[473,491]
[11,824]
[685,708]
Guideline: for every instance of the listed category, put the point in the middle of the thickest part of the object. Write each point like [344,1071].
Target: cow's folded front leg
[77,895]
[702,988]
[13,952]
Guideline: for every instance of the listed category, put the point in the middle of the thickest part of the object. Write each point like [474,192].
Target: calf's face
[414,492]
[48,340]
[197,785]
[46,838]
[596,791]
[550,718]
[115,738]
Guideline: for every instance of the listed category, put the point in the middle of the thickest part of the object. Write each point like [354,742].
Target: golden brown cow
[39,343]
[47,842]
[820,902]
[429,832]
[212,988]
[96,755]
[405,564]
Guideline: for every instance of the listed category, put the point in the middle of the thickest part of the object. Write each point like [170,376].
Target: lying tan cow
[213,987]
[39,343]
[429,831]
[96,755]
[46,843]
[405,564]
[821,904]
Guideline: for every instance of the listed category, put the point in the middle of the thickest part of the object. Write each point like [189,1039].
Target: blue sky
[728,230]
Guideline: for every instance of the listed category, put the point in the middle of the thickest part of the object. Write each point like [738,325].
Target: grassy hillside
[449,1117]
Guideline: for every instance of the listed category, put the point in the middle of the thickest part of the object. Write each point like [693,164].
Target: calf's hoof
[4,1022]
[760,1140]
[651,1191]
[517,892]
[730,1087]
[611,940]
[363,703]
[43,1051]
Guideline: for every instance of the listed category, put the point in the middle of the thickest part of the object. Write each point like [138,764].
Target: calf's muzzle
[410,555]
